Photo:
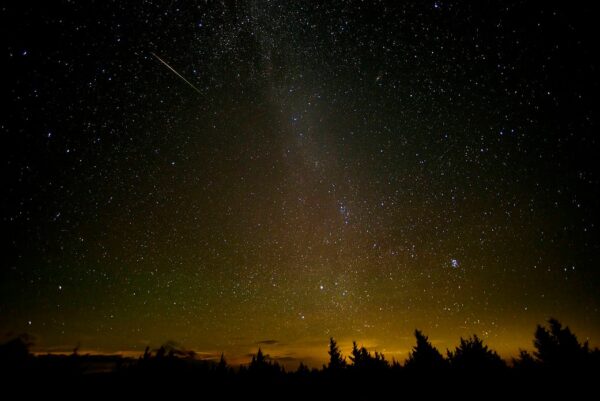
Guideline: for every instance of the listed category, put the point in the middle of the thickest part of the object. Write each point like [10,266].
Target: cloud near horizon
[267,342]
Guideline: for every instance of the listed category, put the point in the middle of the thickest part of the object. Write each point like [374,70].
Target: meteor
[176,73]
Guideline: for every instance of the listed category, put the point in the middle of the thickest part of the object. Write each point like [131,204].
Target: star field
[353,169]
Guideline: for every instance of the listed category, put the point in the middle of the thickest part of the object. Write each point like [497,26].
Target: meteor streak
[176,73]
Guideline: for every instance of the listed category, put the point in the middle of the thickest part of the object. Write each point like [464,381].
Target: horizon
[312,354]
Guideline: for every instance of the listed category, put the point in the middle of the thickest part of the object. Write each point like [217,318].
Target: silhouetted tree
[15,352]
[260,365]
[395,365]
[147,354]
[222,365]
[302,370]
[160,353]
[258,359]
[524,361]
[336,360]
[173,349]
[357,356]
[473,354]
[379,361]
[424,356]
[558,347]
[362,359]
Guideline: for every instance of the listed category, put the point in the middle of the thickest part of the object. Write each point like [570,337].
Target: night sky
[234,174]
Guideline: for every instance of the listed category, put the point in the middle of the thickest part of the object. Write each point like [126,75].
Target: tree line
[556,349]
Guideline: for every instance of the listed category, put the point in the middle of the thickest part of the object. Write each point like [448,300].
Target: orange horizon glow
[314,353]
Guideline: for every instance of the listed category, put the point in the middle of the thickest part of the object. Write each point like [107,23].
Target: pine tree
[336,360]
[473,354]
[558,346]
[222,365]
[362,359]
[424,355]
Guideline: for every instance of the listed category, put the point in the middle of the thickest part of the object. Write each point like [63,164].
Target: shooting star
[176,73]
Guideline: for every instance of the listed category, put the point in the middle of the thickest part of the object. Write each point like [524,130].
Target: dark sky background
[354,169]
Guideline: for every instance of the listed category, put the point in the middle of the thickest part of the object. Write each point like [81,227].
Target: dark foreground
[560,366]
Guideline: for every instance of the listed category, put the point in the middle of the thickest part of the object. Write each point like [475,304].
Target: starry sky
[236,174]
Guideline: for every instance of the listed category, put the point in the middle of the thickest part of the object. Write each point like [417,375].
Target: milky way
[350,170]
